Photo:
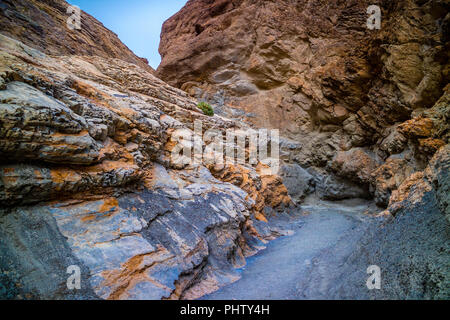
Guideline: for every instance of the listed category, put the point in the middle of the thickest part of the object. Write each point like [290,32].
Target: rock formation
[88,133]
[361,113]
[86,177]
[315,71]
[42,25]
[412,249]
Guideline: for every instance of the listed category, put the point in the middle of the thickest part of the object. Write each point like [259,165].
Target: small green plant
[206,108]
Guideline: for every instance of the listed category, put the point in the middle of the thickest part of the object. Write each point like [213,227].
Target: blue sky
[137,22]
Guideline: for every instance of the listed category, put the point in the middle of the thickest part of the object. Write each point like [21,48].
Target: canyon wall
[88,130]
[346,98]
[87,177]
[42,24]
[363,113]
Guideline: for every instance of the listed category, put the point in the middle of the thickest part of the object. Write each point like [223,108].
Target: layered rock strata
[364,113]
[314,70]
[87,177]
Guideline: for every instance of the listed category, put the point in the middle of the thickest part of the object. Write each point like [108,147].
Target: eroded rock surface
[335,243]
[361,111]
[412,249]
[42,25]
[87,176]
[314,70]
[88,133]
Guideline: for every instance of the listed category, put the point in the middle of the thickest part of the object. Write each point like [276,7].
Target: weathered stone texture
[86,176]
[315,71]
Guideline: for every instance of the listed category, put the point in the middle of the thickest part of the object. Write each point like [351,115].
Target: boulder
[329,187]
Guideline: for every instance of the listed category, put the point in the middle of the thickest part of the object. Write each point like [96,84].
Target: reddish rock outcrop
[414,188]
[265,190]
[43,25]
[309,61]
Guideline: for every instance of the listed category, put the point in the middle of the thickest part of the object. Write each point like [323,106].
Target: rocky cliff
[88,132]
[409,243]
[87,177]
[362,113]
[351,98]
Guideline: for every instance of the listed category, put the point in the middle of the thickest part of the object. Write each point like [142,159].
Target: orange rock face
[389,177]
[417,127]
[356,164]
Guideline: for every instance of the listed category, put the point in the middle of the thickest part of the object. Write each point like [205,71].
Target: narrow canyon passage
[304,265]
[123,182]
